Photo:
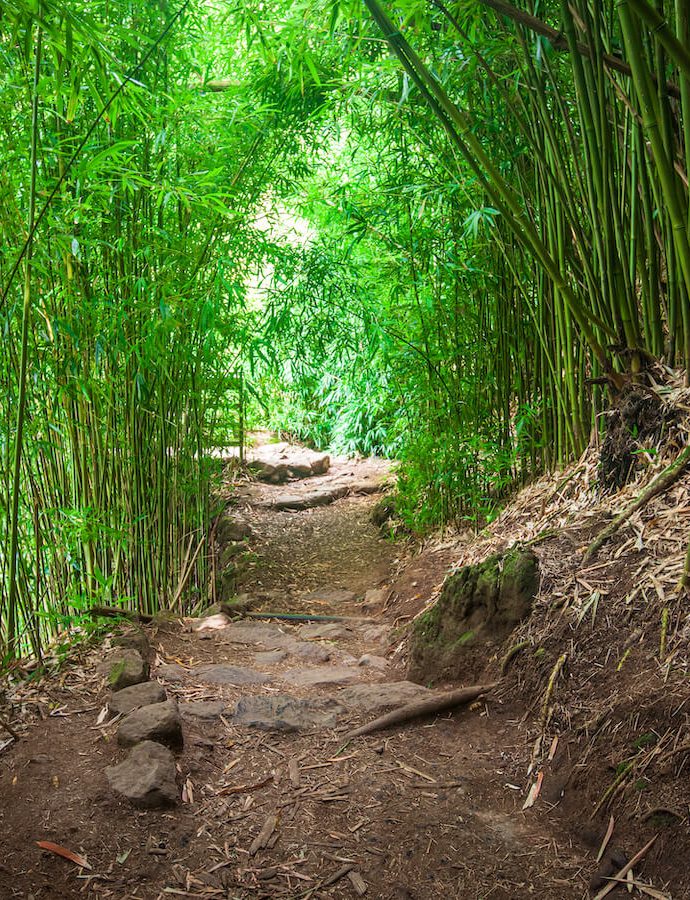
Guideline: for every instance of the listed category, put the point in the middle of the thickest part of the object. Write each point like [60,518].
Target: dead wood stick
[658,485]
[613,884]
[426,707]
[115,612]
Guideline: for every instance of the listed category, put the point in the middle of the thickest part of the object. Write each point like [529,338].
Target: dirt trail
[433,808]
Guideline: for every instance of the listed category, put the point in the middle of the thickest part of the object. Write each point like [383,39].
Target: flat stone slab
[204,709]
[332,595]
[270,657]
[373,662]
[330,631]
[282,712]
[311,652]
[128,699]
[127,667]
[254,633]
[159,722]
[224,674]
[379,696]
[309,499]
[147,777]
[321,675]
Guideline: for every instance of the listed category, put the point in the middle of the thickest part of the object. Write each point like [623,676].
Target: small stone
[282,712]
[223,674]
[270,657]
[374,662]
[374,600]
[377,635]
[266,471]
[172,672]
[321,675]
[147,777]
[320,465]
[204,709]
[332,631]
[133,638]
[211,623]
[131,698]
[379,696]
[157,722]
[127,667]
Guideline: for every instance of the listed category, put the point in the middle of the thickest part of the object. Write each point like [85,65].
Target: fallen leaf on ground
[58,850]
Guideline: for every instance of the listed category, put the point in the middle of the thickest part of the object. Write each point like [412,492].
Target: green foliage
[401,229]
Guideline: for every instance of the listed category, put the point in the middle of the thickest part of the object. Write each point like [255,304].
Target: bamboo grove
[494,241]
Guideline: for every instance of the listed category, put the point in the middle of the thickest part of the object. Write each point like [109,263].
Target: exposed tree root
[659,485]
[426,707]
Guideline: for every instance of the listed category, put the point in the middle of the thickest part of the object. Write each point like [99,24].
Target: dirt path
[430,809]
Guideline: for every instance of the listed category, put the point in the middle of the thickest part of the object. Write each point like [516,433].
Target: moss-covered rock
[478,607]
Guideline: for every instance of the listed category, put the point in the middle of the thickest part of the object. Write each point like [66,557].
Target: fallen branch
[658,485]
[116,612]
[613,884]
[426,707]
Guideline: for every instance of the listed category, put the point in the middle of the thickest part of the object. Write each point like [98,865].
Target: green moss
[465,638]
[116,672]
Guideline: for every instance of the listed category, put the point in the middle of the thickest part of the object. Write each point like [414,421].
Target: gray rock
[379,696]
[479,605]
[147,777]
[300,470]
[320,465]
[331,631]
[377,635]
[321,675]
[270,657]
[204,709]
[158,722]
[312,652]
[224,674]
[133,638]
[281,712]
[172,672]
[374,600]
[138,695]
[230,529]
[334,595]
[211,623]
[127,667]
[269,472]
[309,499]
[374,662]
[254,633]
